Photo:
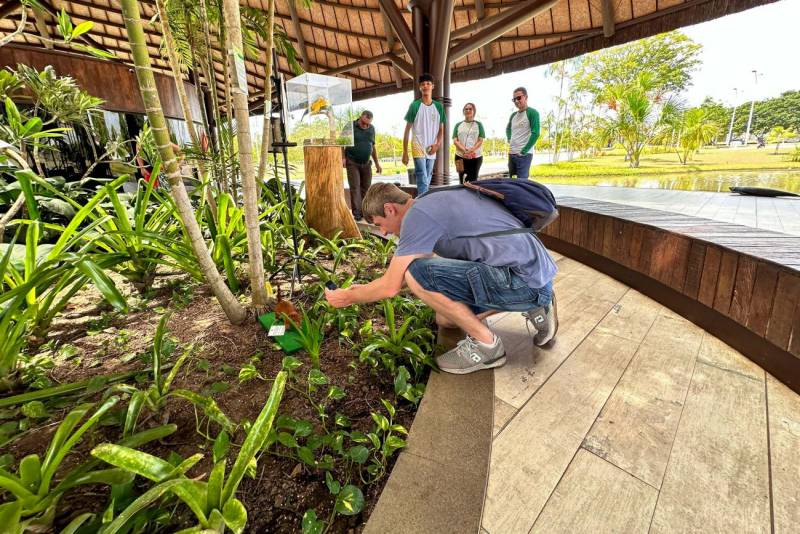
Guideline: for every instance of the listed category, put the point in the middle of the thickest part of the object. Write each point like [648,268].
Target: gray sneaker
[544,321]
[470,356]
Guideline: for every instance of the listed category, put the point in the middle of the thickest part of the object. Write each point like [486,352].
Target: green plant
[228,236]
[155,396]
[213,503]
[336,247]
[409,343]
[796,154]
[25,132]
[32,487]
[382,442]
[312,333]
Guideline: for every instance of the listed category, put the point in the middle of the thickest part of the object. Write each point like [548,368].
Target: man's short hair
[379,194]
[521,90]
[425,77]
[367,114]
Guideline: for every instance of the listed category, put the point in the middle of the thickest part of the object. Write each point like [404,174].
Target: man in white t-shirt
[425,118]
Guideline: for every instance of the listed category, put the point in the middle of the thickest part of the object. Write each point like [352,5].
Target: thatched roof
[332,35]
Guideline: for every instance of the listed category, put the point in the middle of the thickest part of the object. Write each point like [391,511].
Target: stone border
[439,481]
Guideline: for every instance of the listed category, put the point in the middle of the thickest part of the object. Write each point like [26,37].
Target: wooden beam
[9,7]
[401,64]
[441,39]
[390,40]
[608,18]
[509,20]
[402,30]
[40,21]
[481,23]
[487,49]
[534,37]
[299,33]
[356,65]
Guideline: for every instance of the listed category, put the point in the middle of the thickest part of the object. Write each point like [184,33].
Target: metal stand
[280,145]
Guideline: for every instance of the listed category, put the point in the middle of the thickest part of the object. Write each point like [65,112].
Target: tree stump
[326,208]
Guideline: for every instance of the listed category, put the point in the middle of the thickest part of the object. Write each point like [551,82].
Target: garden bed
[234,366]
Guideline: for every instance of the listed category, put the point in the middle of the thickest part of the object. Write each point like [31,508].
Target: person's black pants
[471,168]
[359,178]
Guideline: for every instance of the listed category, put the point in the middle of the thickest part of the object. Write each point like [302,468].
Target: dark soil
[283,488]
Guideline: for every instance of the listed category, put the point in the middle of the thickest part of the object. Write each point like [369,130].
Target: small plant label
[276,330]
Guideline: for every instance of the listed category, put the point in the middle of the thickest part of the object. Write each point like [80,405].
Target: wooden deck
[775,214]
[636,420]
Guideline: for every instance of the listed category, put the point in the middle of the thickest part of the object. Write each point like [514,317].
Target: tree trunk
[177,76]
[326,208]
[233,27]
[267,129]
[226,76]
[147,86]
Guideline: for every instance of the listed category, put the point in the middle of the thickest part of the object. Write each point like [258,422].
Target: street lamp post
[752,105]
[733,115]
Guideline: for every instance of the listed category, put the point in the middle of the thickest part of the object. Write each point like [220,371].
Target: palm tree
[235,312]
[233,29]
[696,128]
[638,114]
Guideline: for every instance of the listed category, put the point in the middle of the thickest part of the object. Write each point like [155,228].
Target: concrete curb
[439,481]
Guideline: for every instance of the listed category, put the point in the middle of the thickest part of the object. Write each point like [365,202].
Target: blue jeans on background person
[520,165]
[423,169]
[481,287]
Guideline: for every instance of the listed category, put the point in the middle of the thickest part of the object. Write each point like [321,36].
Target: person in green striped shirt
[522,132]
[468,136]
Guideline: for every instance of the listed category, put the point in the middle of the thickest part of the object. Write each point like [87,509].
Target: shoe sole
[550,339]
[499,362]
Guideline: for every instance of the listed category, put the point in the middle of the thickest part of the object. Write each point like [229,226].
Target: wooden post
[326,208]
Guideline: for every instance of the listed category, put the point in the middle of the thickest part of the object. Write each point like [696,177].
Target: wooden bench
[741,284]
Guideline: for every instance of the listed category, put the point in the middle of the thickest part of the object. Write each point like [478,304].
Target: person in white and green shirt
[425,119]
[522,132]
[468,136]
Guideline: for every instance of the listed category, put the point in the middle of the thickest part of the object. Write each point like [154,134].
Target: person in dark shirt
[356,161]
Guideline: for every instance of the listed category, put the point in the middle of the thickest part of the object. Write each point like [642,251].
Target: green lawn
[612,163]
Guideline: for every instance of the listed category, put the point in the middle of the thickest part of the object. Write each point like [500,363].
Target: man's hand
[378,168]
[405,158]
[434,148]
[338,298]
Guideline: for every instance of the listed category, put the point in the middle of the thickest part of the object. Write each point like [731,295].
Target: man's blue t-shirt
[436,222]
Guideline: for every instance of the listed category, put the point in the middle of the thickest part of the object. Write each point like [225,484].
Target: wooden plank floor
[636,420]
[775,214]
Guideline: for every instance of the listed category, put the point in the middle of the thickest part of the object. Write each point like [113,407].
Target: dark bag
[530,202]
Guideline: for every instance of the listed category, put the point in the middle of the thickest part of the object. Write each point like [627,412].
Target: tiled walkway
[636,420]
[776,214]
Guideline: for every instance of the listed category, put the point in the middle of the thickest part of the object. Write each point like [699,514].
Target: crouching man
[464,279]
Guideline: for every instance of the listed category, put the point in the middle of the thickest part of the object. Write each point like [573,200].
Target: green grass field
[613,163]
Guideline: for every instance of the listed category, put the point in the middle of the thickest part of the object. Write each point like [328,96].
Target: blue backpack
[530,202]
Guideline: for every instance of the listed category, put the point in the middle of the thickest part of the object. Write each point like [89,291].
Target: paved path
[776,214]
[636,420]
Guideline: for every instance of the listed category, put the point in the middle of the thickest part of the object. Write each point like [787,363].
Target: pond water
[709,181]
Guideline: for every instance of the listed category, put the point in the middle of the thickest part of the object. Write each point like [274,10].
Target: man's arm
[384,287]
[375,159]
[533,118]
[405,143]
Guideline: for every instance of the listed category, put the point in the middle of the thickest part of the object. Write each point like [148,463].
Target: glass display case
[320,110]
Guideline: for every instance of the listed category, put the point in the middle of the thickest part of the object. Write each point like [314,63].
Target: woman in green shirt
[468,136]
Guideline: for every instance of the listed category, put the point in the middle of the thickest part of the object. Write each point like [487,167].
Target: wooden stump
[326,208]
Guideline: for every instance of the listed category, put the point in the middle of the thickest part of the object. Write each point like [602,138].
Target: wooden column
[326,208]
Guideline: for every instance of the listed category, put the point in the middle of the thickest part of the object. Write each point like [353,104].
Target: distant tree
[783,110]
[778,135]
[668,58]
[696,128]
[637,114]
[717,113]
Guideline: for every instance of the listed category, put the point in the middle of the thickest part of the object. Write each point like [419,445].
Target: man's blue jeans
[423,169]
[479,286]
[519,165]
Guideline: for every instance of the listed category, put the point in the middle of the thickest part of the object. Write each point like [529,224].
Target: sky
[763,38]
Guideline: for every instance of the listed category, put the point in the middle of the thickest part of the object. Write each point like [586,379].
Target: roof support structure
[40,21]
[390,41]
[509,20]
[401,64]
[299,33]
[401,29]
[9,7]
[608,18]
[487,49]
